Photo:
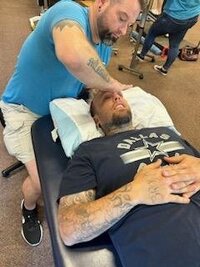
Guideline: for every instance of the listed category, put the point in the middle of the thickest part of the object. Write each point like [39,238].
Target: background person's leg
[174,42]
[158,28]
[175,38]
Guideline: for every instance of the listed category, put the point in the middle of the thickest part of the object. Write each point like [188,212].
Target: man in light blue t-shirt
[177,17]
[67,52]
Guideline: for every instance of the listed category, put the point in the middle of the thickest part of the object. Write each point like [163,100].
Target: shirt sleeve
[68,11]
[194,150]
[79,175]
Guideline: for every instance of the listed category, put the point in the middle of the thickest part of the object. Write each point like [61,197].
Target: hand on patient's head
[117,86]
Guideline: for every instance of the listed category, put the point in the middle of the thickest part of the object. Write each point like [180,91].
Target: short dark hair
[142,3]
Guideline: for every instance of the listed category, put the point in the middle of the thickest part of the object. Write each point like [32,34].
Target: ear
[97,121]
[102,2]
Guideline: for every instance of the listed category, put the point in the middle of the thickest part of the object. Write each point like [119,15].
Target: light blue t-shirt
[182,9]
[39,76]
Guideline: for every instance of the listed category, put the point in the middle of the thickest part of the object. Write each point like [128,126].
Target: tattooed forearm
[96,65]
[121,199]
[79,198]
[105,214]
[84,219]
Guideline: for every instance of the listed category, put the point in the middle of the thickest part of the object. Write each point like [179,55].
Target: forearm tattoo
[97,66]
[80,198]
[121,199]
[88,220]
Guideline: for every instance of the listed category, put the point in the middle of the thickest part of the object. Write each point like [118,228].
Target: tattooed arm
[80,58]
[82,218]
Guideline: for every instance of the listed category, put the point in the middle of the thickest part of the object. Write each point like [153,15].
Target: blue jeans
[176,30]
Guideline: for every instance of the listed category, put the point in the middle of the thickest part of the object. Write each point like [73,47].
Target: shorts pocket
[13,125]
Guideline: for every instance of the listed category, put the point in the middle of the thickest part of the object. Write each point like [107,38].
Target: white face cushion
[74,124]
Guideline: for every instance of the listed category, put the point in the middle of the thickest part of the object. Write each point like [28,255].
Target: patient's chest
[117,159]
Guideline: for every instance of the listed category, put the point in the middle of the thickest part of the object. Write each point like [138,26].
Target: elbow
[65,226]
[66,234]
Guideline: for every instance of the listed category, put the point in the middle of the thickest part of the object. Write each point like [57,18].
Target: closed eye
[123,17]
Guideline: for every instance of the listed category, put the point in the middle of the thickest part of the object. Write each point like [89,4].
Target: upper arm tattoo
[67,23]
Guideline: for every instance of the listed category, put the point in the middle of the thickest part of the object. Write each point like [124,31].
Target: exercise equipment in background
[141,25]
[154,48]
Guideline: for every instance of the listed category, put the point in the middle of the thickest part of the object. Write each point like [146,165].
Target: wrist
[136,195]
[113,85]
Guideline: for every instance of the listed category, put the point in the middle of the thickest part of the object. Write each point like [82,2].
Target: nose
[123,29]
[116,96]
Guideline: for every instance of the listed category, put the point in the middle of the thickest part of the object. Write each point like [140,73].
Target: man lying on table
[117,184]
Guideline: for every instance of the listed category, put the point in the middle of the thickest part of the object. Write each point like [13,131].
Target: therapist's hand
[116,86]
[184,174]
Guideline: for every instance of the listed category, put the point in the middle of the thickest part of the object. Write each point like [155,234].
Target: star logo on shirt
[150,150]
[154,149]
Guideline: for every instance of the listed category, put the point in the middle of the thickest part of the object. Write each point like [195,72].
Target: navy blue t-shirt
[107,163]
[148,236]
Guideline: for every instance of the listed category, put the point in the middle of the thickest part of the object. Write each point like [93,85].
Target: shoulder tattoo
[67,23]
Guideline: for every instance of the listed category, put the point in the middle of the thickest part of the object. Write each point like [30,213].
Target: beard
[118,120]
[105,35]
[107,38]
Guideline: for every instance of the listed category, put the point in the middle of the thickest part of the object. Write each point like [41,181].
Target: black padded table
[51,161]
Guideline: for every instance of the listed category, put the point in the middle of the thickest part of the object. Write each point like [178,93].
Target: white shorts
[17,133]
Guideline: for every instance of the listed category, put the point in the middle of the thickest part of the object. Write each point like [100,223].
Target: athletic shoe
[160,69]
[31,231]
[140,57]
